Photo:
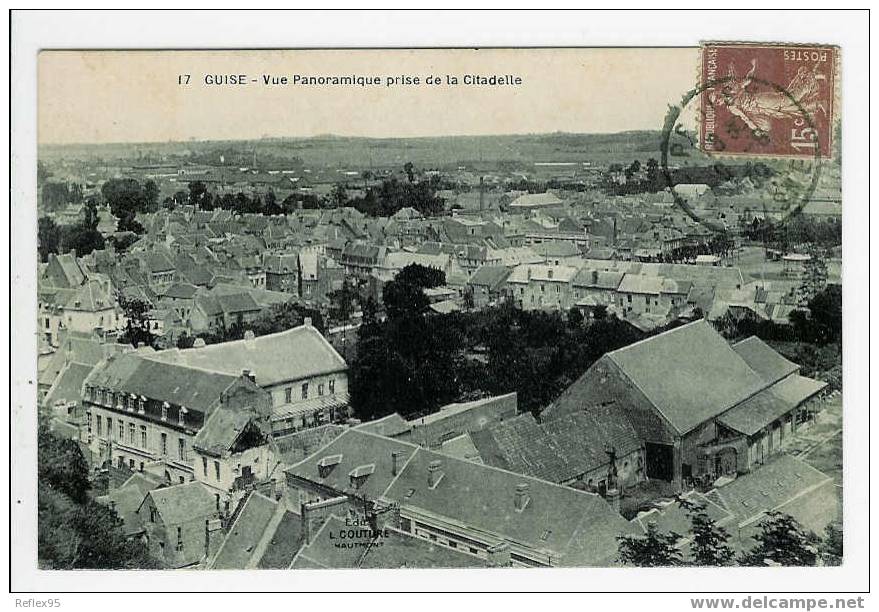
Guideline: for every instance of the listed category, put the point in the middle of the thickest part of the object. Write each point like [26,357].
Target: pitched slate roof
[322,552]
[535,199]
[761,358]
[68,386]
[283,544]
[222,429]
[575,528]
[489,276]
[690,374]
[778,482]
[598,279]
[293,354]
[181,291]
[193,388]
[558,450]
[759,411]
[638,283]
[183,502]
[351,450]
[296,446]
[245,533]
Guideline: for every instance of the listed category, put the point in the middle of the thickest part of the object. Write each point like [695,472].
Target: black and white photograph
[544,306]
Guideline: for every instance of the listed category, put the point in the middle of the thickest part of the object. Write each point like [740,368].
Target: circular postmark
[739,154]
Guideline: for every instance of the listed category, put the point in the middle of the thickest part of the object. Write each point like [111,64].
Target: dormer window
[358,475]
[326,464]
[181,416]
[164,411]
[131,400]
[141,404]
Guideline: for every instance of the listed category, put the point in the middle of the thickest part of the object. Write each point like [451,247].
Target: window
[121,431]
[320,390]
[109,428]
[629,298]
[217,470]
[181,416]
[99,425]
[204,465]
[88,416]
[305,391]
[141,405]
[332,385]
[131,464]
[165,411]
[288,394]
[131,433]
[164,438]
[143,436]
[47,323]
[153,514]
[181,449]
[179,538]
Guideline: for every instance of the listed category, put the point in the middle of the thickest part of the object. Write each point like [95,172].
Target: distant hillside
[441,152]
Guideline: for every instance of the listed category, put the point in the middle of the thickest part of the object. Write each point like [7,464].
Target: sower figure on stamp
[758,109]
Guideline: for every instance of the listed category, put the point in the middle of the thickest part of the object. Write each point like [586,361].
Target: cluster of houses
[244,454]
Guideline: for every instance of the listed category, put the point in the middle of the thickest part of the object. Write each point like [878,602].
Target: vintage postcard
[318,309]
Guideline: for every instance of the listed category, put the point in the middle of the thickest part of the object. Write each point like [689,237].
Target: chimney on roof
[395,462]
[523,498]
[249,374]
[199,343]
[434,473]
[499,555]
[213,535]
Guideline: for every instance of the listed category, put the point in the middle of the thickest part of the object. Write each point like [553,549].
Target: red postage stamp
[767,100]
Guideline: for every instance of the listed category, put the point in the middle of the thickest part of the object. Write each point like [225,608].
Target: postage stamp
[767,99]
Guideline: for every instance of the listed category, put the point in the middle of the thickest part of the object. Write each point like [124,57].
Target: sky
[136,96]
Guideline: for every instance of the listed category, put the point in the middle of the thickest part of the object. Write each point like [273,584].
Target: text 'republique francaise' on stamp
[768,100]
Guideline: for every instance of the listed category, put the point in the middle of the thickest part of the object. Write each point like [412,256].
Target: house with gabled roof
[478,510]
[702,408]
[304,375]
[143,413]
[177,521]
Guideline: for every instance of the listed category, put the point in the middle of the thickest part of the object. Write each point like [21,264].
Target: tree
[54,195]
[822,323]
[125,197]
[61,465]
[197,192]
[710,541]
[271,205]
[575,317]
[150,196]
[48,237]
[409,169]
[653,549]
[830,551]
[73,531]
[343,301]
[338,195]
[404,295]
[137,326]
[782,541]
